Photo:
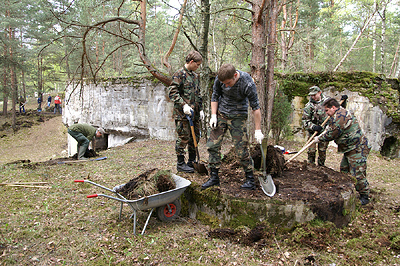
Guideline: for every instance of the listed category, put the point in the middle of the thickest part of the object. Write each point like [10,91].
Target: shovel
[200,168]
[266,182]
[300,151]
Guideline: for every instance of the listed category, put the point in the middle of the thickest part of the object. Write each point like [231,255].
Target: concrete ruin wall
[129,110]
[126,109]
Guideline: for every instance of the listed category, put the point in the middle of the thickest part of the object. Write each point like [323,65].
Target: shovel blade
[267,185]
[200,168]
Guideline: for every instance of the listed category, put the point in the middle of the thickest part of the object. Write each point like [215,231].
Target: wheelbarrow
[167,203]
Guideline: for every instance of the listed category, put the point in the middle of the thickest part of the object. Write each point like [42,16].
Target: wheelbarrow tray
[150,202]
[159,199]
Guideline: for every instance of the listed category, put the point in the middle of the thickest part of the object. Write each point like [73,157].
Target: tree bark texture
[257,63]
[273,11]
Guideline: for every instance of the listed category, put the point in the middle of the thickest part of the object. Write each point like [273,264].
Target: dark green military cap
[314,90]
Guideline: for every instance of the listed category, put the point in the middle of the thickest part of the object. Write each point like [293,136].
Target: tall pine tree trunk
[206,89]
[257,63]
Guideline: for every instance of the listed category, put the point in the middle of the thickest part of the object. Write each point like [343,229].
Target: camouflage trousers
[354,162]
[237,128]
[312,151]
[185,136]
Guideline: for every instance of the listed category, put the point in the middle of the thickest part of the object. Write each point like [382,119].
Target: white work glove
[213,121]
[259,136]
[201,115]
[316,139]
[187,109]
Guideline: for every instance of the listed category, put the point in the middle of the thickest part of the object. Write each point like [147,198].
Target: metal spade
[266,182]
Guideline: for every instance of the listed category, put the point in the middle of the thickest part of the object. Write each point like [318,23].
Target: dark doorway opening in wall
[102,143]
[390,147]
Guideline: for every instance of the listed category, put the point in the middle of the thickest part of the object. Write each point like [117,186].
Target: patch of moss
[371,85]
[204,218]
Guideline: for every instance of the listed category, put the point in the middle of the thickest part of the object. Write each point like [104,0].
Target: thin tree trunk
[394,59]
[171,48]
[355,42]
[273,12]
[257,63]
[383,40]
[205,88]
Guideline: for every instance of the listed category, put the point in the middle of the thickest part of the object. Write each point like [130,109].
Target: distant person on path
[39,101]
[184,91]
[83,134]
[344,129]
[49,101]
[233,91]
[313,117]
[21,104]
[57,104]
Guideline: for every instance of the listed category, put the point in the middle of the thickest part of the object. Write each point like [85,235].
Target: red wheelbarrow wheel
[168,214]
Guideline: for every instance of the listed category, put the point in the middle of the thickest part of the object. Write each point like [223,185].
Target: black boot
[182,166]
[311,158]
[364,198]
[249,184]
[192,158]
[213,180]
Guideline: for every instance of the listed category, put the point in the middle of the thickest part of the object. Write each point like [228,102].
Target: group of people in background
[233,92]
[57,103]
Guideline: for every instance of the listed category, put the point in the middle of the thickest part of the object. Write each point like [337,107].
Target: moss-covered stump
[304,192]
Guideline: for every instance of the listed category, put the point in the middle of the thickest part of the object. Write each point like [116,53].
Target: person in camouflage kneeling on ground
[232,91]
[184,91]
[344,129]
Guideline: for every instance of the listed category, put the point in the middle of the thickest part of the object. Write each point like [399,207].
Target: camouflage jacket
[314,113]
[185,88]
[233,100]
[344,129]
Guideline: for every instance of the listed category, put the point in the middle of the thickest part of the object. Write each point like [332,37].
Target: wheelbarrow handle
[92,196]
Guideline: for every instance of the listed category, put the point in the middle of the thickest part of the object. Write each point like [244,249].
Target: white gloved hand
[213,121]
[259,136]
[316,139]
[187,109]
[201,115]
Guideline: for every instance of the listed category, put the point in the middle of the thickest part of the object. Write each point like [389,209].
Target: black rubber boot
[364,199]
[249,184]
[311,158]
[192,158]
[213,180]
[182,166]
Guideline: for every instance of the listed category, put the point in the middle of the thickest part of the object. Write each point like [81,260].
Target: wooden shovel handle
[301,151]
[322,125]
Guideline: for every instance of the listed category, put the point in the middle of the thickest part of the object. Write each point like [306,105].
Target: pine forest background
[46,44]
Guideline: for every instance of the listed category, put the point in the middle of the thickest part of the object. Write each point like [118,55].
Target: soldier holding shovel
[343,128]
[233,91]
[184,91]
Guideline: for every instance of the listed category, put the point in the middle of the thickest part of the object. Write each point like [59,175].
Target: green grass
[60,226]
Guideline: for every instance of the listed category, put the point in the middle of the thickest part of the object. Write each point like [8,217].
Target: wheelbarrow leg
[120,210]
[134,222]
[147,221]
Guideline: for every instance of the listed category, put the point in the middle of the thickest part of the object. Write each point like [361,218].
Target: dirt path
[39,143]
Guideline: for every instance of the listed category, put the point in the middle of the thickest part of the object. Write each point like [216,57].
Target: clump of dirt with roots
[150,182]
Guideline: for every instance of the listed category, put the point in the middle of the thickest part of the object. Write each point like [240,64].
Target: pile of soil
[151,182]
[319,187]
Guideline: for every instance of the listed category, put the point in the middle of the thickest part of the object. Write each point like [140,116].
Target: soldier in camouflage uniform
[313,117]
[184,91]
[344,129]
[232,91]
